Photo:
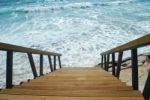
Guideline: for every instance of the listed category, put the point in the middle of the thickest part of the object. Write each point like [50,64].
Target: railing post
[32,65]
[102,58]
[59,61]
[9,69]
[113,64]
[41,64]
[134,69]
[119,64]
[50,63]
[105,62]
[54,63]
[107,66]
[146,91]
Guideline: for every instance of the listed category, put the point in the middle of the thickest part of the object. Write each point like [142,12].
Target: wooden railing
[10,49]
[133,46]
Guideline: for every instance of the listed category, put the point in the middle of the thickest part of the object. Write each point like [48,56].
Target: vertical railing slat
[146,91]
[107,66]
[9,69]
[59,60]
[32,65]
[105,62]
[119,64]
[41,64]
[102,58]
[134,69]
[54,63]
[113,64]
[50,63]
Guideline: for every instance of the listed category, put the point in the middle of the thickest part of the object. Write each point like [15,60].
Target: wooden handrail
[133,46]
[140,42]
[9,47]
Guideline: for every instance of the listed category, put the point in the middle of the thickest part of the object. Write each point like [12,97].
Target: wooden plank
[9,69]
[71,84]
[74,82]
[135,80]
[74,93]
[143,41]
[29,97]
[46,87]
[15,48]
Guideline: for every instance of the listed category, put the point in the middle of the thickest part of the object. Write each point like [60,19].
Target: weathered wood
[30,97]
[102,59]
[140,42]
[50,63]
[74,93]
[105,62]
[135,82]
[73,83]
[15,48]
[113,64]
[146,91]
[41,65]
[59,61]
[107,66]
[9,69]
[54,62]
[32,65]
[119,64]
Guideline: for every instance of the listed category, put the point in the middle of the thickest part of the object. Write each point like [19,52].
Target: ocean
[79,29]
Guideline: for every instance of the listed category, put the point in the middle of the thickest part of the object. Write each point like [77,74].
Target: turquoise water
[79,29]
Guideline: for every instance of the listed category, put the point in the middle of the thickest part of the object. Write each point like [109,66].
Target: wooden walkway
[73,84]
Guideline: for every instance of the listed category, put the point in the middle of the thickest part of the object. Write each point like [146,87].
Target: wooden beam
[113,64]
[119,64]
[107,66]
[146,91]
[102,59]
[140,42]
[59,60]
[54,63]
[135,81]
[32,65]
[50,63]
[105,62]
[41,65]
[15,48]
[9,69]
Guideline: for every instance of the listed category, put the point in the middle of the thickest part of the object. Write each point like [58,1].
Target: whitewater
[79,29]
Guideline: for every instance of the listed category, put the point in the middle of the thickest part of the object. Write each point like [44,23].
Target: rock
[140,64]
[146,63]
[142,59]
[145,54]
[127,63]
